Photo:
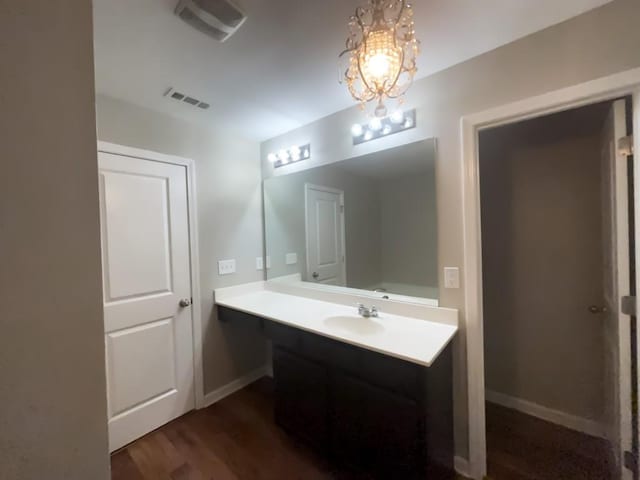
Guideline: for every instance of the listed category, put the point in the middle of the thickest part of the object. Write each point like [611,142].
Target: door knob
[185,302]
[315,275]
[596,309]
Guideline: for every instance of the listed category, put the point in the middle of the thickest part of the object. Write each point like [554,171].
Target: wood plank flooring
[521,447]
[234,439]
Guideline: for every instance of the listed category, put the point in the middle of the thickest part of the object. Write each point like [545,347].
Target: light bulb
[356,130]
[306,153]
[272,157]
[375,124]
[408,123]
[368,135]
[295,153]
[378,66]
[386,130]
[397,117]
[283,155]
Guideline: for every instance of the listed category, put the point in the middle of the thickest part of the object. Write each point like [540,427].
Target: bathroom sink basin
[354,324]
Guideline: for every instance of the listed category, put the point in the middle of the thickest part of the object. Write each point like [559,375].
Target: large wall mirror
[367,223]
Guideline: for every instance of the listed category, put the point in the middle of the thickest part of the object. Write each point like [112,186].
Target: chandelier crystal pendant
[381,53]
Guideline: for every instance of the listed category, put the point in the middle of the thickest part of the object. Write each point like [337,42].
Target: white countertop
[417,340]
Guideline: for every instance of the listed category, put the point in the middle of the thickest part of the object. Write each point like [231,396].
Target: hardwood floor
[521,447]
[234,439]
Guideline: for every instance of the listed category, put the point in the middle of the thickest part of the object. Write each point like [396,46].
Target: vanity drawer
[282,335]
[228,315]
[334,354]
[390,373]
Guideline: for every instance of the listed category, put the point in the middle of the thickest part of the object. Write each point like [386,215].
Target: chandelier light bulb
[357,130]
[368,135]
[379,66]
[386,130]
[272,157]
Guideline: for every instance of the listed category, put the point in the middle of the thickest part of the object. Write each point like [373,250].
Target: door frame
[602,89]
[192,216]
[307,187]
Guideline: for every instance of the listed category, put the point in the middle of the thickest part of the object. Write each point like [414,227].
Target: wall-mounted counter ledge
[418,338]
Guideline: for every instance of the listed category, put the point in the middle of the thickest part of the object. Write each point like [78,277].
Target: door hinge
[625,146]
[631,461]
[628,305]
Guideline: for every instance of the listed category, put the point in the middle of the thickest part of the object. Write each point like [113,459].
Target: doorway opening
[556,203]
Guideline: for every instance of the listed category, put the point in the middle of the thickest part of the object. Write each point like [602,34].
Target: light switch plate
[451,277]
[226,267]
[291,258]
[259,263]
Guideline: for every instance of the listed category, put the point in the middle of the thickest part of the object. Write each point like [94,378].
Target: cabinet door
[301,405]
[376,429]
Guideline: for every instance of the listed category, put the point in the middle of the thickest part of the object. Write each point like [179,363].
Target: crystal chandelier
[381,52]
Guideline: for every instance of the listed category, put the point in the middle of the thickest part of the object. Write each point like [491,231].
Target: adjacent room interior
[347,239]
[556,350]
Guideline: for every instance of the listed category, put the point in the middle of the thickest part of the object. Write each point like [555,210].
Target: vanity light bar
[290,155]
[398,121]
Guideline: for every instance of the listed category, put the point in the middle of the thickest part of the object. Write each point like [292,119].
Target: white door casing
[617,284]
[146,273]
[325,241]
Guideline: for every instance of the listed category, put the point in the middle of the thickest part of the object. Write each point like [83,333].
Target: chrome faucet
[367,312]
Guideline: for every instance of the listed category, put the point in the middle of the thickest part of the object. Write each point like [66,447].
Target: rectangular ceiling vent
[182,97]
[217,18]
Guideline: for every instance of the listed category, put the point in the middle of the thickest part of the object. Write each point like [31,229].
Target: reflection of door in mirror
[324,214]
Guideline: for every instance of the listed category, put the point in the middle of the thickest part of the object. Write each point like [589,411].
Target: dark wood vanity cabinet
[387,417]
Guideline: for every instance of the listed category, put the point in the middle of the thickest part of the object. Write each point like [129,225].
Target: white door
[324,211]
[146,275]
[617,284]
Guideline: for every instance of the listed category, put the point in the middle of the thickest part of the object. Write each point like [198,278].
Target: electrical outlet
[291,258]
[451,277]
[259,263]
[226,267]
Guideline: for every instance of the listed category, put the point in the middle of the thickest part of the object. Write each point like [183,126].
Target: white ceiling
[279,71]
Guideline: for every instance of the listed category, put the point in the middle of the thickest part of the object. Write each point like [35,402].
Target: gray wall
[229,219]
[53,413]
[285,223]
[543,266]
[409,235]
[598,43]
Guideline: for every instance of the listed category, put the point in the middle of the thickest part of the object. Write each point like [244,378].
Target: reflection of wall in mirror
[409,237]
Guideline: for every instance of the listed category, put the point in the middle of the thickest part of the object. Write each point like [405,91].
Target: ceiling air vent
[182,97]
[217,18]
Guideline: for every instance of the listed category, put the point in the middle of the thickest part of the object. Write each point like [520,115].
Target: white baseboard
[232,387]
[461,466]
[584,425]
